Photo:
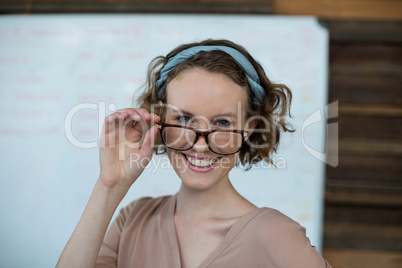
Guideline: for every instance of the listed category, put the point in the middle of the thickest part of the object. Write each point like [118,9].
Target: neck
[216,201]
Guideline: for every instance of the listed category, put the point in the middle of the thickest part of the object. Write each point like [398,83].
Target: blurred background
[363,194]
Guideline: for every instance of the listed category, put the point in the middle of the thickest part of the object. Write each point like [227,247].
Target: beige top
[143,235]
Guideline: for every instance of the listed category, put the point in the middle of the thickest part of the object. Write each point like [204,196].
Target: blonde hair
[274,110]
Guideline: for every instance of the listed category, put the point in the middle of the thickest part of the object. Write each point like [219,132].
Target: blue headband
[251,73]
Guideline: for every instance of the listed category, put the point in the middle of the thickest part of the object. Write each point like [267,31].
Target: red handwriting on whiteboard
[86,55]
[51,130]
[30,79]
[86,132]
[97,78]
[33,113]
[39,97]
[96,97]
[15,59]
[13,132]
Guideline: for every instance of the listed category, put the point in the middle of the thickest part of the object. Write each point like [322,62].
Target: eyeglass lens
[219,142]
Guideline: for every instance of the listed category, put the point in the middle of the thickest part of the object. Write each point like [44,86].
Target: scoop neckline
[231,234]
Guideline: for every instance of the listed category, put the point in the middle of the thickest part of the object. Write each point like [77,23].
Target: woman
[217,108]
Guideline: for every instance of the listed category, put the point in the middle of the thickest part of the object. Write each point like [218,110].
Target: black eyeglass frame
[244,135]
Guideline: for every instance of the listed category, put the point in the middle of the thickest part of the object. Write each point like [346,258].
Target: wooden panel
[341,213]
[373,9]
[370,148]
[368,195]
[367,69]
[366,168]
[347,258]
[365,89]
[116,2]
[369,127]
[135,6]
[366,109]
[366,60]
[366,54]
[366,73]
[363,207]
[359,170]
[352,31]
[380,237]
[380,54]
[341,9]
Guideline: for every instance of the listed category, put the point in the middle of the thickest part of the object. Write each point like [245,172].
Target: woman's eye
[223,123]
[183,119]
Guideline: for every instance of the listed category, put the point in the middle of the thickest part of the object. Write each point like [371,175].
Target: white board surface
[51,64]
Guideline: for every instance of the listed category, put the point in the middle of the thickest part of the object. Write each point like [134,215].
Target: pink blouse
[143,235]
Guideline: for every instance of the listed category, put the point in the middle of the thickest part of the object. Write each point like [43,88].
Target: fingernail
[136,115]
[147,114]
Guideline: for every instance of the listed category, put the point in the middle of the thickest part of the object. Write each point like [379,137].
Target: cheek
[172,155]
[176,159]
[228,162]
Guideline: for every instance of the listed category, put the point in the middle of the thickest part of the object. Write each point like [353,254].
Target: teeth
[200,163]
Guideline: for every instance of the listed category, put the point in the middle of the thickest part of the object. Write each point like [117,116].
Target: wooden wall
[341,9]
[363,208]
[363,200]
[142,6]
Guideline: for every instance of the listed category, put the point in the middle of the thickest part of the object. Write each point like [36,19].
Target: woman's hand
[122,161]
[122,156]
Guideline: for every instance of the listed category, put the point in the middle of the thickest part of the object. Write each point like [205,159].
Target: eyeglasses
[183,138]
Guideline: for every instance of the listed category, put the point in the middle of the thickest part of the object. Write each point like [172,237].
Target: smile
[200,164]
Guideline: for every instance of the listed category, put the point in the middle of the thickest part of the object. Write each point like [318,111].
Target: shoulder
[272,221]
[283,240]
[272,225]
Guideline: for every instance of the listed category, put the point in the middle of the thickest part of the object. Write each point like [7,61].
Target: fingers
[127,124]
[149,141]
[139,114]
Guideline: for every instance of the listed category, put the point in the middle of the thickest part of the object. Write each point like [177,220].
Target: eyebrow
[229,114]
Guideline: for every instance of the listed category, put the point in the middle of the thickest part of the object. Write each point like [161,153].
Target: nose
[201,145]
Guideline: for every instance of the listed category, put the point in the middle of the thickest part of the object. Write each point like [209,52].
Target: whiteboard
[74,69]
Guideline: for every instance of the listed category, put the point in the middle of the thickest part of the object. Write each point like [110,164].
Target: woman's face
[205,101]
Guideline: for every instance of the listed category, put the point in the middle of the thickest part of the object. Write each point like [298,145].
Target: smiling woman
[217,108]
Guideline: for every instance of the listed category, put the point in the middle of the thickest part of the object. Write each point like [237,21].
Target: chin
[200,172]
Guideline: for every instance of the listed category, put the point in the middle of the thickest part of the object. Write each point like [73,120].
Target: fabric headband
[251,73]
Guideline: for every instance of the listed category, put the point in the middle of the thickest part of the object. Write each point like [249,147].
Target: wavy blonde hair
[275,108]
